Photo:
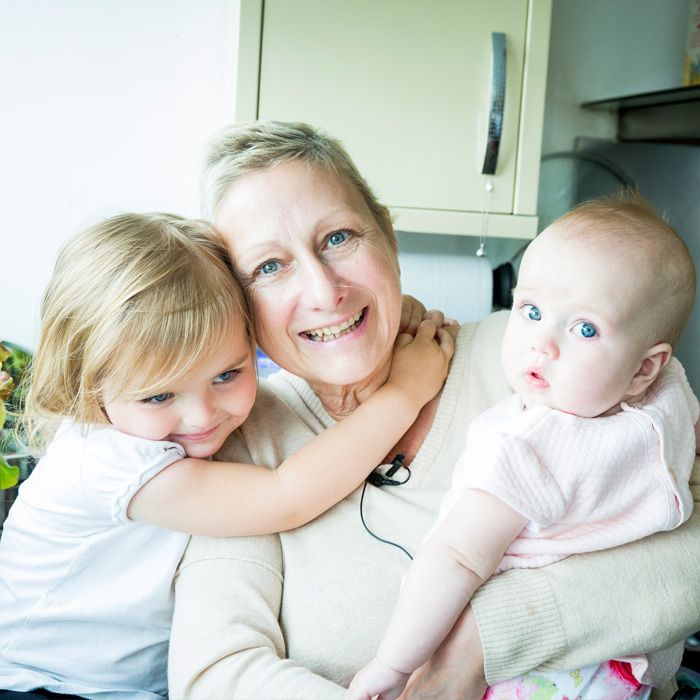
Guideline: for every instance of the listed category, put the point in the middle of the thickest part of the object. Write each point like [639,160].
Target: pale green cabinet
[407,85]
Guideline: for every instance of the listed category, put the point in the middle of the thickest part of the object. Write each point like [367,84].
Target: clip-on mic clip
[378,479]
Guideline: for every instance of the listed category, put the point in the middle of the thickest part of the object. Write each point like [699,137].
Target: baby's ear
[653,361]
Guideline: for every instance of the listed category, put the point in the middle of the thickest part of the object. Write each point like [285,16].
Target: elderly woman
[295,615]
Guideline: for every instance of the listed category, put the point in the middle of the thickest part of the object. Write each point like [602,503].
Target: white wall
[107,104]
[106,107]
[608,48]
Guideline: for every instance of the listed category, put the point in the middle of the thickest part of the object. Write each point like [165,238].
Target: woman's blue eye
[226,376]
[532,312]
[269,267]
[338,237]
[157,398]
[585,329]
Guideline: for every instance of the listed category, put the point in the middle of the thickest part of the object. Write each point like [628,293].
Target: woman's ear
[653,361]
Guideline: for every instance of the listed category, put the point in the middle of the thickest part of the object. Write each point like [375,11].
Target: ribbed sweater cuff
[519,624]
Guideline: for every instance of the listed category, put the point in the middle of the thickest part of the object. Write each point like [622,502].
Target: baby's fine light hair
[241,149]
[627,224]
[135,303]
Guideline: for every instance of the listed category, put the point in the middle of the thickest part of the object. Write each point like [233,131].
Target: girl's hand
[420,364]
[413,312]
[376,679]
[456,669]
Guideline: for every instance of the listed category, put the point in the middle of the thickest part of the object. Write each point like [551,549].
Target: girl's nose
[200,413]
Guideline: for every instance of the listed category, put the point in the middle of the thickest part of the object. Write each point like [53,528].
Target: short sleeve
[114,466]
[507,467]
[675,368]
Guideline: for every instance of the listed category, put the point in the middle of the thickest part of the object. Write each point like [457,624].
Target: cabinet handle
[496,103]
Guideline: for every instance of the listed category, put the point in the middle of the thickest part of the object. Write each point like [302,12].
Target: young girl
[143,368]
[594,450]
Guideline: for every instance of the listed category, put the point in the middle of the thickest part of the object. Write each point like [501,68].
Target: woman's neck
[341,400]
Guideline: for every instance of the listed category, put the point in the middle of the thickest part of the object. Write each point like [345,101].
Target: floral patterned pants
[612,680]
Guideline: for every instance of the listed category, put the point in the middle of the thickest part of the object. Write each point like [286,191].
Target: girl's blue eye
[532,312]
[267,268]
[157,398]
[226,376]
[585,329]
[337,238]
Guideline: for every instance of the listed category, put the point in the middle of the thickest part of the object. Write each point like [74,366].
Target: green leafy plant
[15,463]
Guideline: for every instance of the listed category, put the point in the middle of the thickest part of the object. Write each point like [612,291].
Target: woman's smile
[333,331]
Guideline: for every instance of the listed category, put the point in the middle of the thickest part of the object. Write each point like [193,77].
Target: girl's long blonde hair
[135,302]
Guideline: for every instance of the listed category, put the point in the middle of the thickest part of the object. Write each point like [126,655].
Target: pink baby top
[584,483]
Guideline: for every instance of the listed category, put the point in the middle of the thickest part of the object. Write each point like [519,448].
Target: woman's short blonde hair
[241,149]
[135,302]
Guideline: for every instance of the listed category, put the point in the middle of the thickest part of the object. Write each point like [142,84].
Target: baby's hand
[420,363]
[377,679]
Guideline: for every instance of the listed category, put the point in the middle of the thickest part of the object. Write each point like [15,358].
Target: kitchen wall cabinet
[407,87]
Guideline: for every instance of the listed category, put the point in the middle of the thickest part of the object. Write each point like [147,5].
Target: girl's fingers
[447,341]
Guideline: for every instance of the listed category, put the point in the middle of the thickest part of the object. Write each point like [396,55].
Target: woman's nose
[321,286]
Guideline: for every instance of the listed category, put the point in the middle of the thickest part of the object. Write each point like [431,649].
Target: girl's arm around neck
[202,497]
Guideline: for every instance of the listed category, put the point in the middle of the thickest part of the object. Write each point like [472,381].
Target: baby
[593,450]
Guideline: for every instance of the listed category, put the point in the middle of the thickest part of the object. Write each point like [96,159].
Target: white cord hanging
[485,211]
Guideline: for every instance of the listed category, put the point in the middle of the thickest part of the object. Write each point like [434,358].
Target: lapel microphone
[378,479]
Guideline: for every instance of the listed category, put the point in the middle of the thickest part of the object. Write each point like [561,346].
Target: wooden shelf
[665,115]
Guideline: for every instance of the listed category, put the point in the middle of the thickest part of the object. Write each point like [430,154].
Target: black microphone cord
[377,479]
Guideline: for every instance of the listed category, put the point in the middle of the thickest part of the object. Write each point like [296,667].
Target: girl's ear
[654,360]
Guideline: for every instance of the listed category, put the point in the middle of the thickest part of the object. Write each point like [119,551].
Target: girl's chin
[201,451]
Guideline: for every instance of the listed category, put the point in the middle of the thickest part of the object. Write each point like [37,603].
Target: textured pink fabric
[585,483]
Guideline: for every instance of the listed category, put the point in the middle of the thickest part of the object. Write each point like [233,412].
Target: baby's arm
[221,499]
[456,559]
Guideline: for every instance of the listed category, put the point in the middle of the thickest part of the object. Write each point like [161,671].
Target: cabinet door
[405,85]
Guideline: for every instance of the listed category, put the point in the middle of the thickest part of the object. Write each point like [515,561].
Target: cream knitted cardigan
[296,615]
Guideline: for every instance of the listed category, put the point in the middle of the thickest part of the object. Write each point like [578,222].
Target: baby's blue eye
[532,312]
[338,237]
[157,398]
[226,376]
[267,268]
[585,329]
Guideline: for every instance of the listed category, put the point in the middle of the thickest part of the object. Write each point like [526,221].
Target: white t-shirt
[85,593]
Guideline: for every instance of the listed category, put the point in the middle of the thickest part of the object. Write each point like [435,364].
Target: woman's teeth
[332,332]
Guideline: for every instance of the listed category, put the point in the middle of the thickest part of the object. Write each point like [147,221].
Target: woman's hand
[413,312]
[419,365]
[456,669]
